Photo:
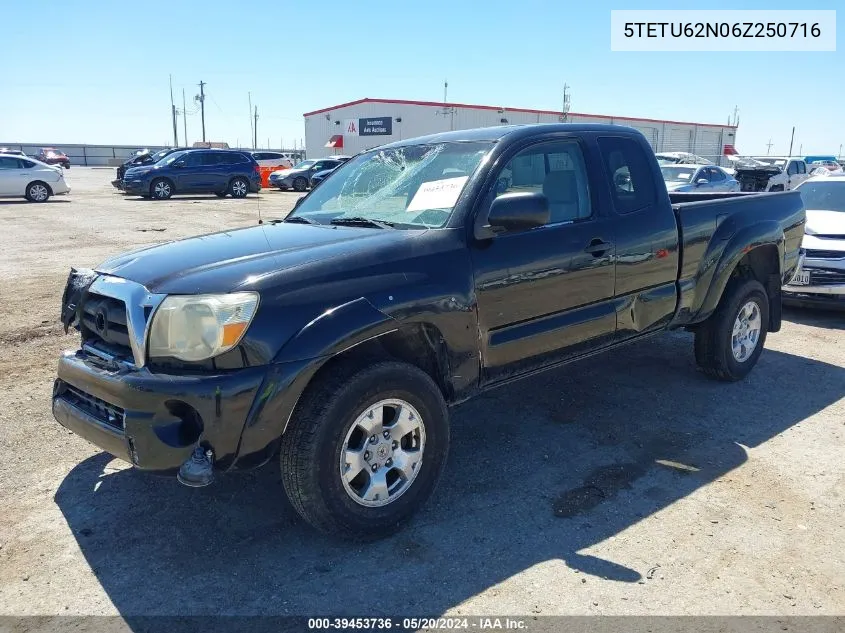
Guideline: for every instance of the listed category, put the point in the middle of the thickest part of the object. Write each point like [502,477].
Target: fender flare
[333,332]
[737,246]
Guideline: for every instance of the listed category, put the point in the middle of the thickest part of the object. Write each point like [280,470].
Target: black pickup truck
[420,274]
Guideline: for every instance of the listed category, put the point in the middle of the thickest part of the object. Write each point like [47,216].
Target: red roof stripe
[526,110]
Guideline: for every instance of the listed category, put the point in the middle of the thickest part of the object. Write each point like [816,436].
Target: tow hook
[197,471]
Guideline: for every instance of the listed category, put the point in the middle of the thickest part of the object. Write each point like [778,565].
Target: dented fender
[329,334]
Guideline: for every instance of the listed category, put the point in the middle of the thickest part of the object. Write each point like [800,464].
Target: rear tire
[38,191]
[239,187]
[729,343]
[328,457]
[161,189]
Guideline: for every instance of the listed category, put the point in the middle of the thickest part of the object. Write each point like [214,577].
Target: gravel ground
[625,484]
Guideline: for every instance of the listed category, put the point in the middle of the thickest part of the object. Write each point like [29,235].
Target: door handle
[598,248]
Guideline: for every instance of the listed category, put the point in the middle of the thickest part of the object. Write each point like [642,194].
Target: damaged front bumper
[154,421]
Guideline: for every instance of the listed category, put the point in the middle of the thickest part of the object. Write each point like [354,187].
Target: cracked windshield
[415,186]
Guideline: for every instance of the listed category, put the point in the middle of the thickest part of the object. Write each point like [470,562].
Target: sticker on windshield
[437,194]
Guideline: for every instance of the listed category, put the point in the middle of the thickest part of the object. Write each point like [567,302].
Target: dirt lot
[626,484]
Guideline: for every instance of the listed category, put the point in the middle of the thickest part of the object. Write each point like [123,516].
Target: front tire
[37,191]
[300,184]
[365,448]
[238,188]
[161,189]
[729,343]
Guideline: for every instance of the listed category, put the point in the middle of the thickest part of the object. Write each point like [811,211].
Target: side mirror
[702,181]
[515,212]
[298,202]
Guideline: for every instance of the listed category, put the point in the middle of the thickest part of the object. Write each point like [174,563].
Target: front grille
[824,277]
[104,319]
[98,409]
[825,254]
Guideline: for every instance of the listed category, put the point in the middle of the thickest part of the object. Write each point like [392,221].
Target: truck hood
[825,223]
[225,261]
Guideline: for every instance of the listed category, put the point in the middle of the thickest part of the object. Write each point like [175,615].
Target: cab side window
[629,174]
[793,168]
[556,170]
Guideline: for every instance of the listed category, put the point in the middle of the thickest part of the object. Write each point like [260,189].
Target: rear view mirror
[515,212]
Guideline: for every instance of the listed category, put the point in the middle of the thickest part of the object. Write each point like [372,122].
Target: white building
[351,127]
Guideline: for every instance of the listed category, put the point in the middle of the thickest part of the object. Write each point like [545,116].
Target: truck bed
[707,226]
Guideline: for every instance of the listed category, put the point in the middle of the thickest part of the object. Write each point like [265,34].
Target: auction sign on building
[380,126]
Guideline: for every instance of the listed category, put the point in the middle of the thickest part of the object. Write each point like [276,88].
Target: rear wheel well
[763,265]
[417,344]
[40,182]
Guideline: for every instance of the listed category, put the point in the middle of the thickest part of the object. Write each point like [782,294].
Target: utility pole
[801,149]
[251,129]
[184,119]
[839,155]
[768,147]
[736,116]
[201,98]
[791,141]
[565,109]
[173,114]
[255,145]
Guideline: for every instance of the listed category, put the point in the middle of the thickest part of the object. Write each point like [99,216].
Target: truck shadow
[832,317]
[538,472]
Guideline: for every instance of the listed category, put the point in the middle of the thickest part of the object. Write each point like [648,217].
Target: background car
[52,156]
[820,278]
[218,171]
[699,178]
[830,165]
[139,160]
[320,176]
[273,159]
[299,178]
[11,152]
[30,179]
[681,158]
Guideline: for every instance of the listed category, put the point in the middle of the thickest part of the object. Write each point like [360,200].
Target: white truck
[770,173]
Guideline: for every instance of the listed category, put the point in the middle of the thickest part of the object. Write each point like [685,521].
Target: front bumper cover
[151,420]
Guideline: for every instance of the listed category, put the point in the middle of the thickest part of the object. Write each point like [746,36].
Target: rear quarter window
[628,172]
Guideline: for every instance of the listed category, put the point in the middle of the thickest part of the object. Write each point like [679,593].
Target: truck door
[646,238]
[792,177]
[545,294]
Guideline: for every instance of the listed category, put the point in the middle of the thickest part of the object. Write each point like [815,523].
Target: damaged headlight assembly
[198,327]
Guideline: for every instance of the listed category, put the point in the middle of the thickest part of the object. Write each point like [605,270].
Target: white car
[681,158]
[279,160]
[820,278]
[30,179]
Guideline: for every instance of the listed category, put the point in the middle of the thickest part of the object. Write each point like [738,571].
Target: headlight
[197,327]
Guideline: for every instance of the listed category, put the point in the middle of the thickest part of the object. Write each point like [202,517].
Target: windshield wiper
[297,219]
[361,221]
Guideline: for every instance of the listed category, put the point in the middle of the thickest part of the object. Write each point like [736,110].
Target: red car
[52,156]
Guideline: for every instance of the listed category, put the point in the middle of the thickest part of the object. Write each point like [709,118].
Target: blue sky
[97,71]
